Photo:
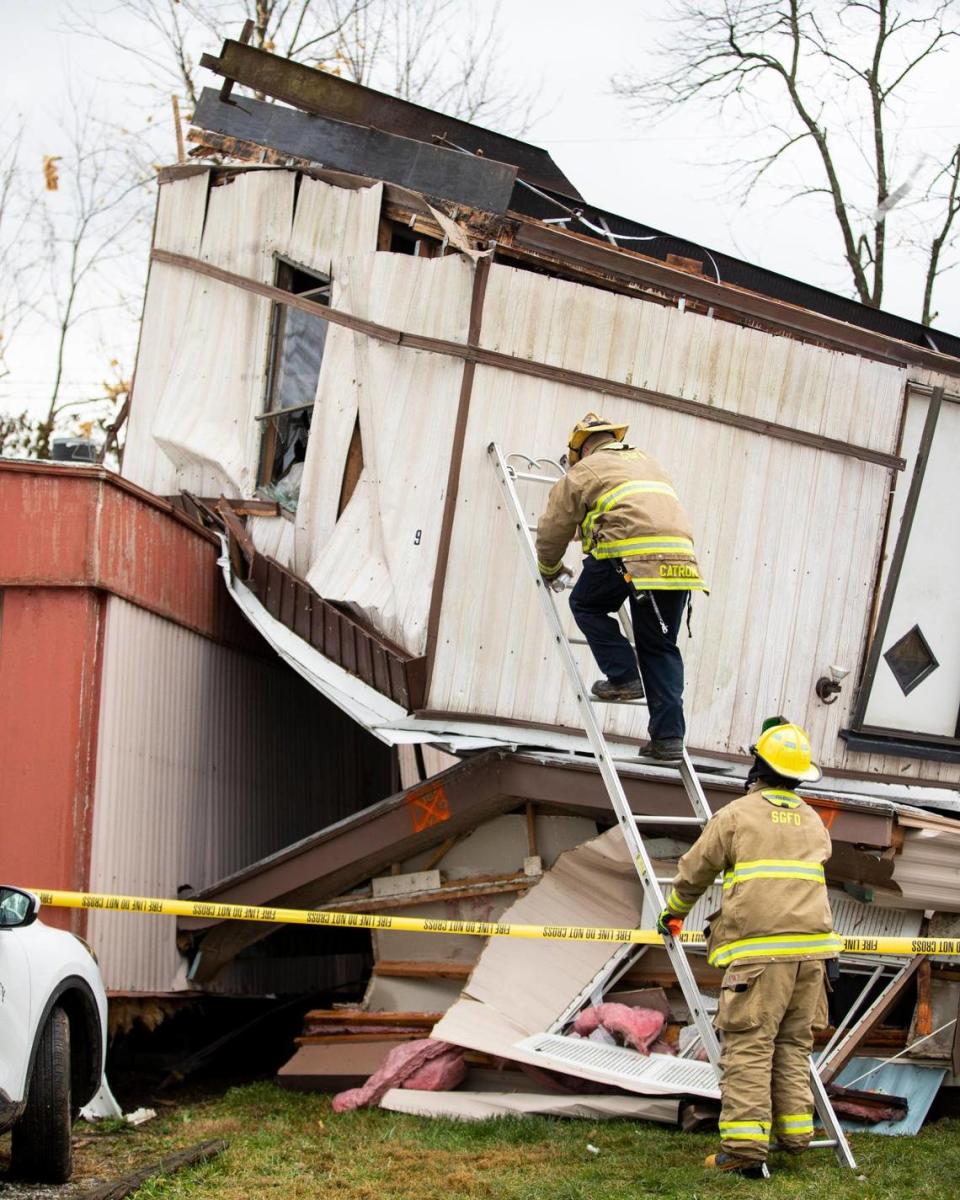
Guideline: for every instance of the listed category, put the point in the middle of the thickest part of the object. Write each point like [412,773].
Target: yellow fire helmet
[786,748]
[586,427]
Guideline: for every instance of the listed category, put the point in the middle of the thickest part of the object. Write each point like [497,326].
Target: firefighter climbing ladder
[532,471]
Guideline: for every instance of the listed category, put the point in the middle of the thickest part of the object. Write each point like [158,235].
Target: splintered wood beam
[531,815]
[462,889]
[924,1019]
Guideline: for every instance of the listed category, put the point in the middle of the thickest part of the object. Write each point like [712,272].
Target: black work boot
[664,749]
[606,689]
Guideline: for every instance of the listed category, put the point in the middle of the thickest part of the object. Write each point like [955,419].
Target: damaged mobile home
[341,315]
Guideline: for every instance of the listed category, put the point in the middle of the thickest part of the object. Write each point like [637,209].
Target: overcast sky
[669,175]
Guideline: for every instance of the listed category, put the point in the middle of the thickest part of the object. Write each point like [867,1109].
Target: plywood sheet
[519,988]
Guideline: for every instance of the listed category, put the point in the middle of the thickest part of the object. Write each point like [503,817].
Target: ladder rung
[535,477]
[819,1144]
[578,642]
[663,820]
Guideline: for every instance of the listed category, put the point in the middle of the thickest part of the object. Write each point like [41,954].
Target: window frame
[285,272]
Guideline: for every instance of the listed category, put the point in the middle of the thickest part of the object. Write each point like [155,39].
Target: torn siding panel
[333,224]
[201,369]
[181,206]
[207,420]
[381,553]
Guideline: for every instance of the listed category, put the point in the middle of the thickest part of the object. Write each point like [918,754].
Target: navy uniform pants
[600,591]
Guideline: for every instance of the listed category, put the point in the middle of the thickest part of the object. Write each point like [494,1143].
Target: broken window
[296,352]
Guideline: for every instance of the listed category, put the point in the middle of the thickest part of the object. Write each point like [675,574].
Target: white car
[53,1036]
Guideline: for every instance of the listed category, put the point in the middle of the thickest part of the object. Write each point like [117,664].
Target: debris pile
[583,1033]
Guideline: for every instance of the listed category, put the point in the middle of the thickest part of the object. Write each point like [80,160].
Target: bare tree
[816,62]
[90,222]
[17,296]
[422,50]
[436,52]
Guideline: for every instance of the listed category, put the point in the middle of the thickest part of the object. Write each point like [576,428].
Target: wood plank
[344,1039]
[362,1016]
[422,970]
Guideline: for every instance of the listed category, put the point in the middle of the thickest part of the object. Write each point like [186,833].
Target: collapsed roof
[327,121]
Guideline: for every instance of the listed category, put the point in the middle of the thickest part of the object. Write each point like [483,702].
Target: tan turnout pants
[767,1015]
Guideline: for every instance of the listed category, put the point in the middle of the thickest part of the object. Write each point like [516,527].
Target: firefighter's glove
[669,923]
[559,581]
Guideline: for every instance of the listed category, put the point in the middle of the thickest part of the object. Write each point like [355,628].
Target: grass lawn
[291,1146]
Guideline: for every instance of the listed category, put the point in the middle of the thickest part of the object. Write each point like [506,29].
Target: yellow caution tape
[947,947]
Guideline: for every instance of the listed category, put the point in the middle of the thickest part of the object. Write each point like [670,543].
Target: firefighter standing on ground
[639,547]
[772,935]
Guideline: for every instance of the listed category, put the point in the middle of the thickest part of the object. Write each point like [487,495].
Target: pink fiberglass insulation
[432,1064]
[440,1074]
[637,1027]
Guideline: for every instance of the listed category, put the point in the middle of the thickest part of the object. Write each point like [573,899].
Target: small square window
[911,660]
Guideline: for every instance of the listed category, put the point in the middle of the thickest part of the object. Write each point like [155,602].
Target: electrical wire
[908,1050]
[575,214]
[650,237]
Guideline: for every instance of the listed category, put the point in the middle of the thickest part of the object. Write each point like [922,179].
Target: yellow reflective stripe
[773,868]
[656,584]
[827,944]
[678,906]
[795,1123]
[608,499]
[781,798]
[549,570]
[643,547]
[782,873]
[745,1131]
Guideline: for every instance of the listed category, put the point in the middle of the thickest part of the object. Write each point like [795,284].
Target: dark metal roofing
[541,190]
[328,95]
[435,170]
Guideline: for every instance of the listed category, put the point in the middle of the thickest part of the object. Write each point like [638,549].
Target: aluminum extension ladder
[507,476]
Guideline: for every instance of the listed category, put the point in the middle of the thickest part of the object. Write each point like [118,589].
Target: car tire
[42,1150]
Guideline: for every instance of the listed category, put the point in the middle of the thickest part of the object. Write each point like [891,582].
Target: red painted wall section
[50,654]
[86,527]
